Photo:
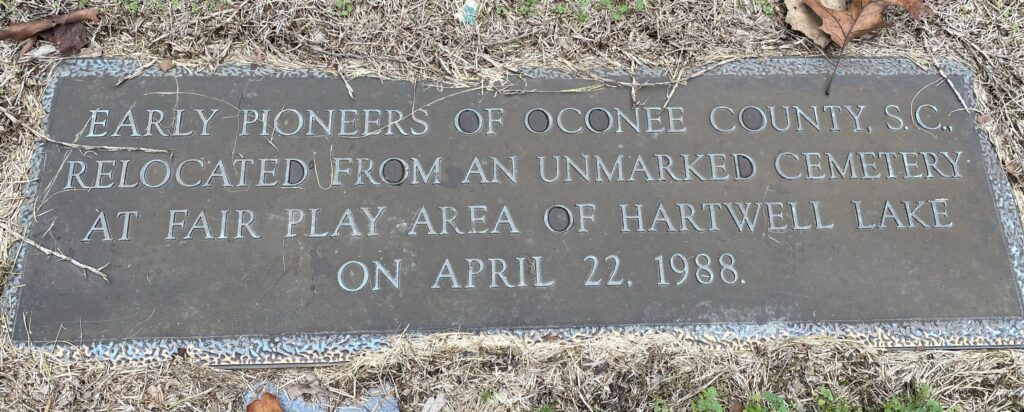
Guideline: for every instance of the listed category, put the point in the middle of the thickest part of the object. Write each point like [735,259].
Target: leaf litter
[861,17]
[67,31]
[265,403]
[801,18]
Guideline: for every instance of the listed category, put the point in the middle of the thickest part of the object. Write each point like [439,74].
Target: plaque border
[309,349]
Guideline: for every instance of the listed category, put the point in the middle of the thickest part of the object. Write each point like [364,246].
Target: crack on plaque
[273,130]
[238,117]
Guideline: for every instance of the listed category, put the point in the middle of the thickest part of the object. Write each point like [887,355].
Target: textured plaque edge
[306,349]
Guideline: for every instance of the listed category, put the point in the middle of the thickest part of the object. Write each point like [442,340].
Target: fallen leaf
[27,46]
[308,385]
[916,8]
[266,403]
[835,4]
[42,51]
[862,17]
[95,51]
[165,65]
[25,30]
[802,19]
[69,38]
[1014,168]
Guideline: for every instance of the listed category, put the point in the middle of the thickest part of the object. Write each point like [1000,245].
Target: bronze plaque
[288,216]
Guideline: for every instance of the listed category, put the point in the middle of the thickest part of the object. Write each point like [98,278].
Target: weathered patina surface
[745,203]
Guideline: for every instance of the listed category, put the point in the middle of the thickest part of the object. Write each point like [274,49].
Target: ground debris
[265,403]
[66,31]
[861,17]
[801,18]
[165,65]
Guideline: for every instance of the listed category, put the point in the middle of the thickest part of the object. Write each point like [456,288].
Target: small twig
[672,90]
[682,81]
[138,72]
[950,83]
[842,51]
[107,148]
[584,89]
[630,83]
[835,68]
[58,255]
[348,87]
[670,82]
[355,56]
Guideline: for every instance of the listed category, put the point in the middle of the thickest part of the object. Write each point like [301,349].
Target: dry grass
[612,373]
[419,40]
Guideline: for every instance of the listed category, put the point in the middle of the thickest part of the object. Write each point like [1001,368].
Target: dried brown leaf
[802,19]
[266,403]
[69,38]
[165,65]
[27,46]
[863,17]
[25,30]
[308,385]
[916,8]
[1014,168]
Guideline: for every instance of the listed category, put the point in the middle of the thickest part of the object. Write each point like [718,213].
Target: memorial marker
[281,218]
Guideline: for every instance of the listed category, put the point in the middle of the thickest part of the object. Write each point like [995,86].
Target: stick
[138,72]
[58,255]
[107,148]
[677,82]
[842,51]
[950,83]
